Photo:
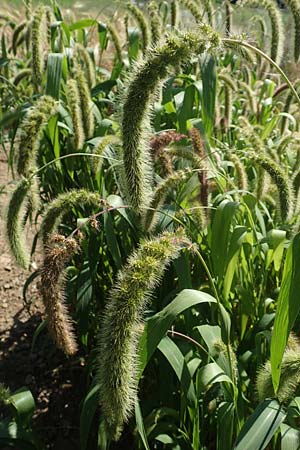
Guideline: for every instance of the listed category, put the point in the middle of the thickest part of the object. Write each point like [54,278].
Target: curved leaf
[157,326]
[261,426]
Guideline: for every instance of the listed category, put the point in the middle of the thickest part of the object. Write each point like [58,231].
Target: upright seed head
[240,172]
[276,26]
[295,9]
[86,58]
[142,22]
[37,42]
[115,40]
[174,13]
[281,180]
[192,6]
[85,102]
[28,9]
[73,101]
[199,161]
[155,22]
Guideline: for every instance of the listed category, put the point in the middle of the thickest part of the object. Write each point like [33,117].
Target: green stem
[212,283]
[40,169]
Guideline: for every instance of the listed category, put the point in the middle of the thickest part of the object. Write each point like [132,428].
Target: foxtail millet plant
[28,9]
[228,18]
[85,101]
[207,8]
[155,22]
[159,195]
[105,142]
[58,252]
[115,38]
[247,92]
[73,102]
[63,204]
[240,171]
[276,26]
[200,163]
[117,370]
[32,132]
[229,86]
[37,44]
[254,142]
[16,34]
[289,379]
[84,56]
[15,222]
[21,75]
[192,6]
[142,22]
[174,9]
[158,145]
[295,9]
[137,104]
[288,102]
[282,182]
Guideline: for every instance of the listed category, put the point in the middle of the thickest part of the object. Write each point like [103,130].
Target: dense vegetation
[162,168]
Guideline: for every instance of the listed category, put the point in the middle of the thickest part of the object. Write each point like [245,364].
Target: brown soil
[57,383]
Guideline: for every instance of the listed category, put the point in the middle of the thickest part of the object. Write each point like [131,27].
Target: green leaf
[210,334]
[176,359]
[236,241]
[83,23]
[54,74]
[220,233]
[37,332]
[186,109]
[14,435]
[211,374]
[106,86]
[261,426]
[290,438]
[225,424]
[287,309]
[134,43]
[209,83]
[111,240]
[275,240]
[88,411]
[140,425]
[157,326]
[23,402]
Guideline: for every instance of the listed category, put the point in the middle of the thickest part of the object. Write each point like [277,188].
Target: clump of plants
[165,186]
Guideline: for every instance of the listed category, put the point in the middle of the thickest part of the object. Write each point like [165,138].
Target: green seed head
[32,129]
[15,223]
[120,328]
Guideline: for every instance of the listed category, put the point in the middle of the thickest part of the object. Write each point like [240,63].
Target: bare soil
[57,383]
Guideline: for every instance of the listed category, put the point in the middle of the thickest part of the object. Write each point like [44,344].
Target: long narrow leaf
[261,426]
[288,308]
[157,326]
